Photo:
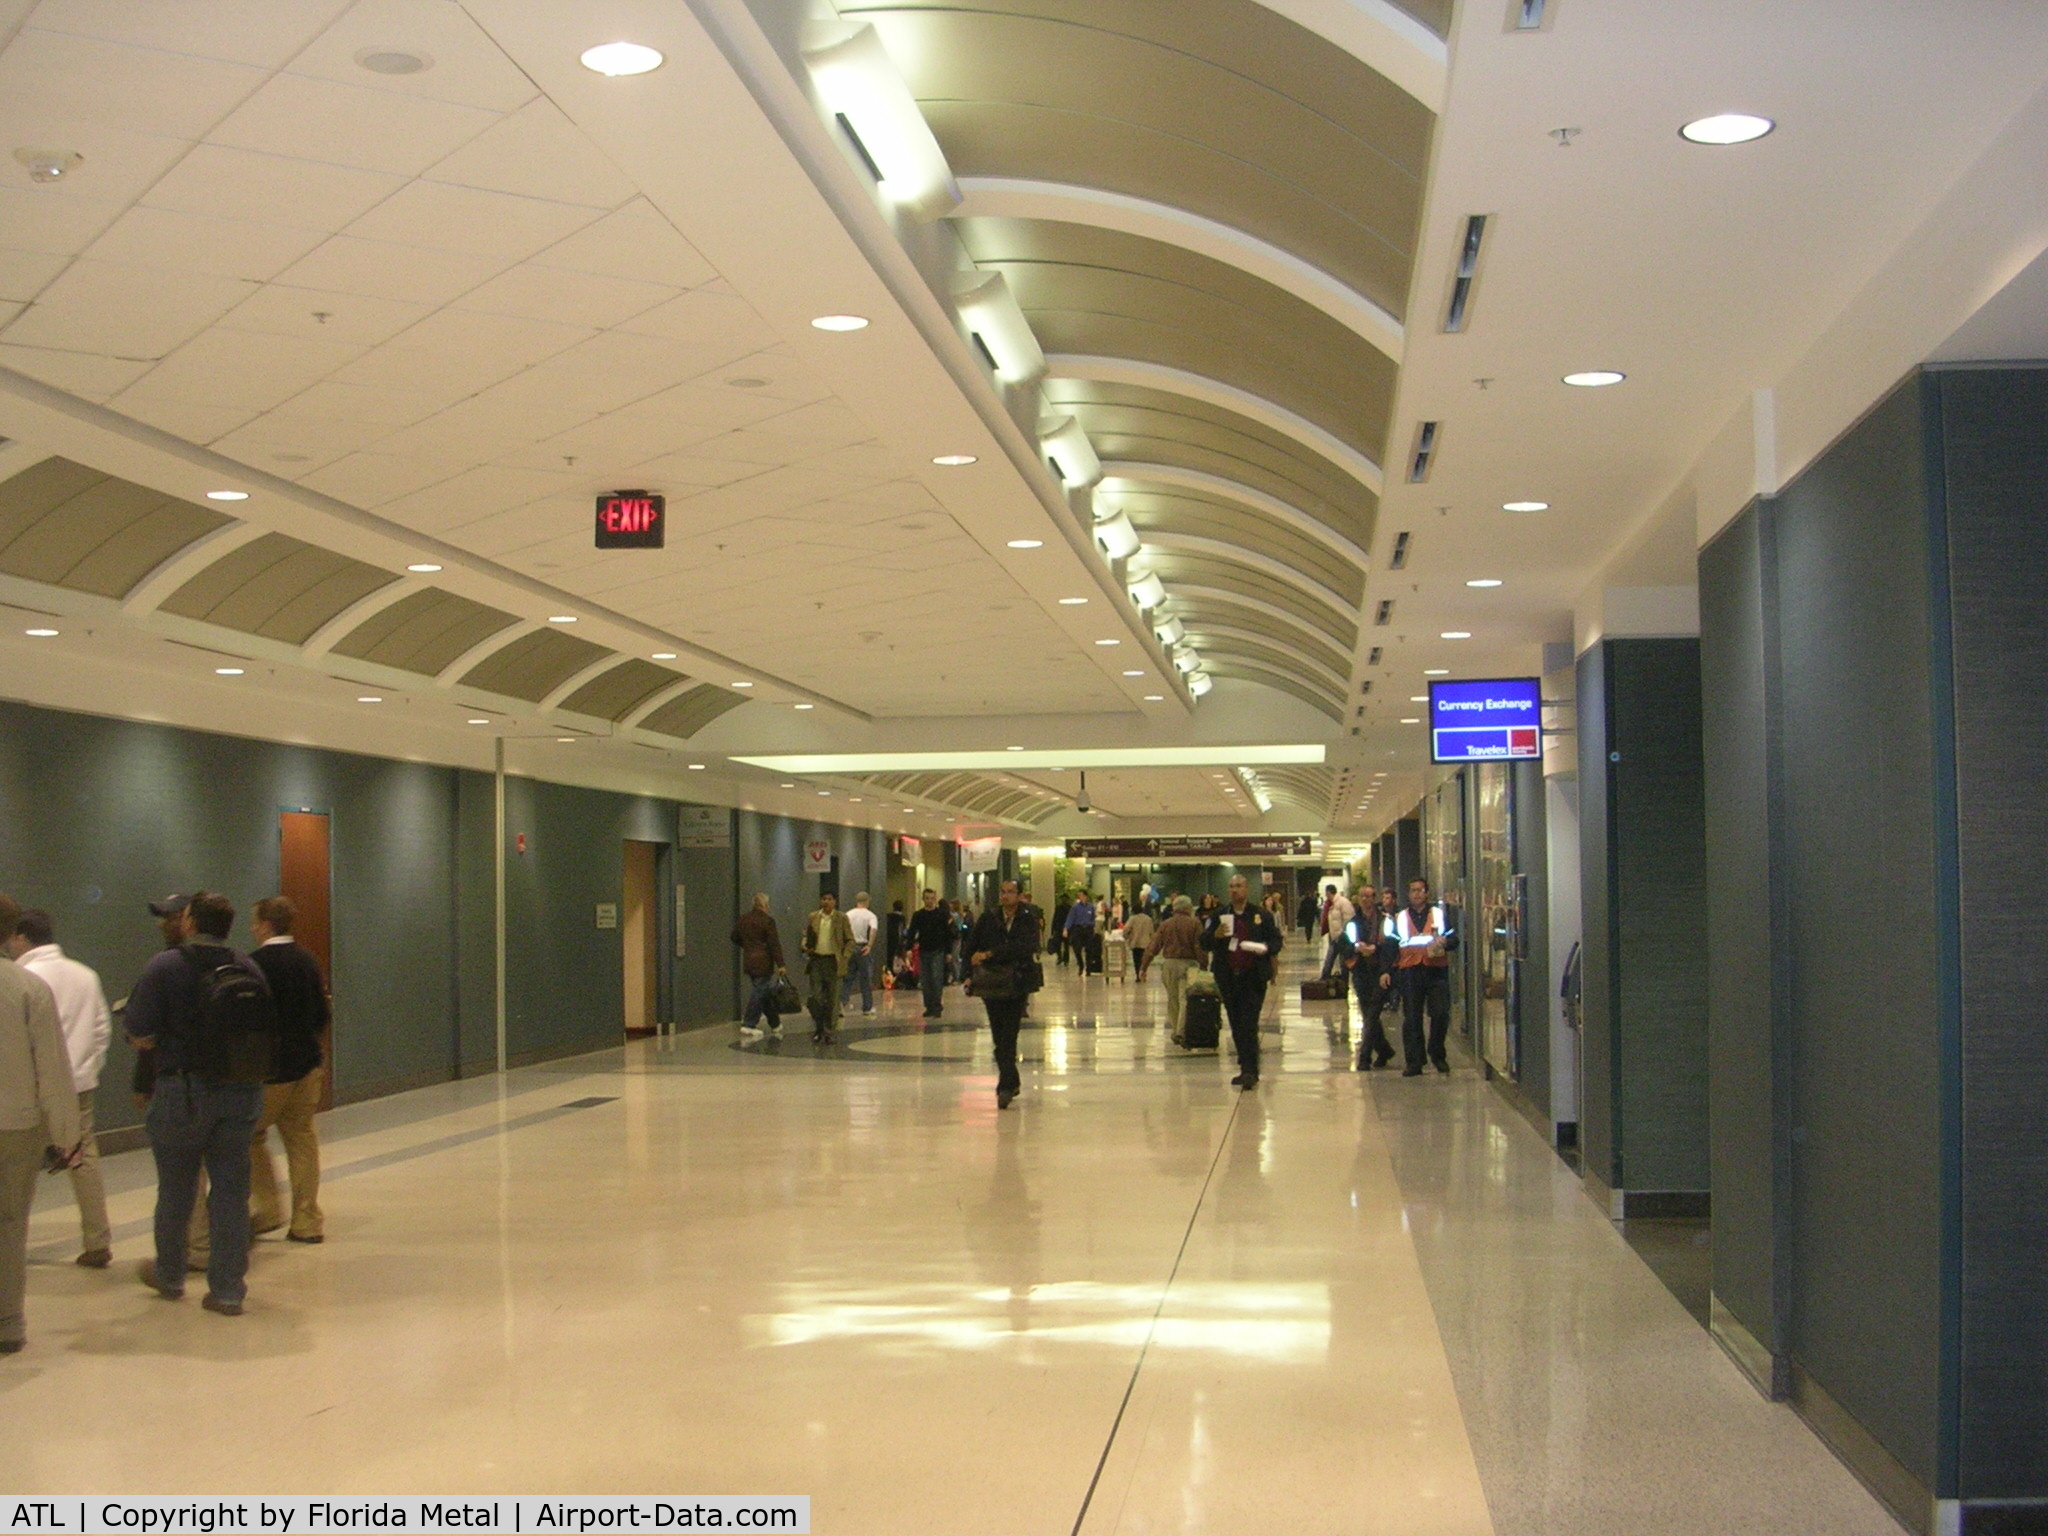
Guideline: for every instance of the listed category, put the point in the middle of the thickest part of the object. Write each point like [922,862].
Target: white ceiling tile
[91,378]
[378,269]
[63,81]
[277,310]
[438,217]
[374,404]
[479,492]
[123,311]
[467,67]
[243,369]
[235,183]
[295,445]
[719,322]
[262,32]
[66,218]
[191,242]
[371,479]
[621,367]
[479,427]
[493,344]
[537,152]
[24,274]
[194,421]
[634,242]
[349,125]
[547,293]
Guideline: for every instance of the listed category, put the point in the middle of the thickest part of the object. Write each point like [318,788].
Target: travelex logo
[514,1516]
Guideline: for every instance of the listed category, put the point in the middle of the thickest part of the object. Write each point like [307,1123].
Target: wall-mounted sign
[817,857]
[910,851]
[703,826]
[979,855]
[632,520]
[607,914]
[1182,849]
[1472,722]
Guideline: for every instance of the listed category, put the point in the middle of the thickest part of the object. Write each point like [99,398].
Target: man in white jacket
[87,1026]
[38,1117]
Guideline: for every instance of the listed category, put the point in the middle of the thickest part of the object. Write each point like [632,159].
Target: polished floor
[1138,1302]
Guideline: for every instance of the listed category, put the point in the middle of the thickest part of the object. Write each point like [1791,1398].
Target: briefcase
[1324,989]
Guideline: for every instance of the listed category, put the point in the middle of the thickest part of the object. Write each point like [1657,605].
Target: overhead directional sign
[1184,848]
[1485,720]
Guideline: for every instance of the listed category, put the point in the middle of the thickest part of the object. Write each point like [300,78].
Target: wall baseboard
[1647,1204]
[1992,1517]
[1876,1468]
[1770,1374]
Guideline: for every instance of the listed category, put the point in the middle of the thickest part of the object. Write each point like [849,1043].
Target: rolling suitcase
[1201,1023]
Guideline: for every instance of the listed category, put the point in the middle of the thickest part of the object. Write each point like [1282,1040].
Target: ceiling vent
[1366,686]
[1384,614]
[859,145]
[1373,660]
[1400,556]
[1530,15]
[1425,450]
[1466,277]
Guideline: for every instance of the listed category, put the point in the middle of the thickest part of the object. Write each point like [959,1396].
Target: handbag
[783,997]
[992,980]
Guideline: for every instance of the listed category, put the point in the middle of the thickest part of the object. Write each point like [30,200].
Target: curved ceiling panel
[1254,648]
[1201,610]
[615,694]
[1296,140]
[1161,511]
[1103,293]
[688,713]
[424,632]
[276,587]
[1179,567]
[74,527]
[1126,422]
[1229,666]
[533,666]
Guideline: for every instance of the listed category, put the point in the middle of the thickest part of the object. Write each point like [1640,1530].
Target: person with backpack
[206,1014]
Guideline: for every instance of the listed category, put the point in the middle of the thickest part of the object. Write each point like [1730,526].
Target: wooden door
[640,937]
[303,880]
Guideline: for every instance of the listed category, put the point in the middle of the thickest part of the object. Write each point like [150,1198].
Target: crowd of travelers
[228,1044]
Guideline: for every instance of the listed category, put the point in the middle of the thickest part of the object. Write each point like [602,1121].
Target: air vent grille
[1467,274]
[1528,15]
[1400,555]
[1372,660]
[1384,614]
[1425,450]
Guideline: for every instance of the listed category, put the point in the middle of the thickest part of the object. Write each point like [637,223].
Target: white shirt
[1338,911]
[864,924]
[81,1011]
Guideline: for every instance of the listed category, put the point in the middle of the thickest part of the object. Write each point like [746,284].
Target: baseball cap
[171,906]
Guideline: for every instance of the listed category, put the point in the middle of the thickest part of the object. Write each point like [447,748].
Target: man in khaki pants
[292,1097]
[38,1111]
[82,1015]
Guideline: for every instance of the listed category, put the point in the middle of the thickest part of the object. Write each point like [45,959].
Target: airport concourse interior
[1075,767]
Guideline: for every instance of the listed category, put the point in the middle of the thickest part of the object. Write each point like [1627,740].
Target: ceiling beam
[562,690]
[1195,386]
[356,614]
[150,593]
[1206,484]
[485,648]
[1005,197]
[1257,559]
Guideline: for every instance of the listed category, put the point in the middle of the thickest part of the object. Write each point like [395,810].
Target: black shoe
[1411,1071]
[12,1346]
[1382,1060]
[1443,1067]
[1237,1081]
[146,1273]
[1004,1097]
[1248,1083]
[1366,1063]
[293,1237]
[95,1258]
[213,1303]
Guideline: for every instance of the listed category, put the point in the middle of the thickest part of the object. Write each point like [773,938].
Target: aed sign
[1486,721]
[631,520]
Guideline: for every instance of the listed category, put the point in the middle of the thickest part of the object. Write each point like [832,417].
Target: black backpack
[234,1027]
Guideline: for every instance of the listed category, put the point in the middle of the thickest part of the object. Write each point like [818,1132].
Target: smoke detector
[47,167]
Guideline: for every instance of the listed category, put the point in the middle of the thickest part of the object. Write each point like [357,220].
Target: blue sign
[1487,721]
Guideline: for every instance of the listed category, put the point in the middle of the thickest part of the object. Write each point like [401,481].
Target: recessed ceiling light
[1525,506]
[1410,720]
[1483,581]
[369,698]
[479,720]
[393,61]
[565,740]
[227,671]
[955,460]
[803,706]
[1072,602]
[561,618]
[1594,378]
[1155,698]
[1109,642]
[1418,698]
[664,655]
[789,786]
[743,685]
[1726,128]
[1013,749]
[840,323]
[227,495]
[1455,634]
[826,793]
[694,767]
[1436,671]
[40,634]
[424,568]
[1134,672]
[616,59]
[1027,543]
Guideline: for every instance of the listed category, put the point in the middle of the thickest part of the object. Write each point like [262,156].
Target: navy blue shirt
[164,1005]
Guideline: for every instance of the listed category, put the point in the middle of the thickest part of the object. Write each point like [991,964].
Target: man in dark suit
[1243,943]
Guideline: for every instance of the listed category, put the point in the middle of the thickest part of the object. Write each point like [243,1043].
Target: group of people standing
[228,1045]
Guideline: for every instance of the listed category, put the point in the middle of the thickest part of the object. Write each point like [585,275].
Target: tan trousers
[290,1107]
[88,1188]
[21,1159]
[1173,974]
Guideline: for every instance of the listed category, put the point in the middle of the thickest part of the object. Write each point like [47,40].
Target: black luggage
[1325,989]
[1201,1023]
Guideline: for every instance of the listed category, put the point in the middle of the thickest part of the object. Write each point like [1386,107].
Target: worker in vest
[1424,939]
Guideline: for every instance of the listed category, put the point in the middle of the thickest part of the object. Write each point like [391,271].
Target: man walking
[761,962]
[1336,912]
[931,935]
[1003,952]
[1369,958]
[82,1016]
[1243,942]
[292,1096]
[860,964]
[1081,935]
[38,1113]
[1424,939]
[828,940]
[191,1009]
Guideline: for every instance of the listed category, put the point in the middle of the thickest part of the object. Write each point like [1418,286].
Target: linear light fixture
[1000,759]
[860,83]
[1425,450]
[1465,276]
[991,312]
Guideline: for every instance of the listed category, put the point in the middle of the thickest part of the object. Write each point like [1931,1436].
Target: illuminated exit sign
[631,520]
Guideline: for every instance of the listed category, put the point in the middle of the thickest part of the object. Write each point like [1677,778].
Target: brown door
[302,879]
[640,938]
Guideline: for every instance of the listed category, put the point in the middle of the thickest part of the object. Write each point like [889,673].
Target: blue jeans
[193,1124]
[931,980]
[860,967]
[758,996]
